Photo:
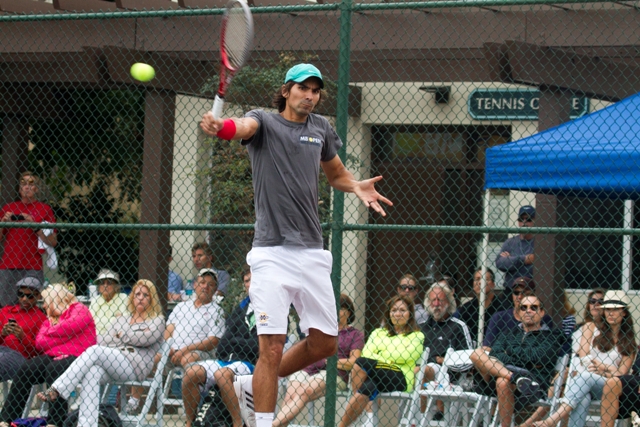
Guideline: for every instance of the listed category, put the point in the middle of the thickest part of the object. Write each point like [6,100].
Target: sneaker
[243,386]
[526,386]
[132,406]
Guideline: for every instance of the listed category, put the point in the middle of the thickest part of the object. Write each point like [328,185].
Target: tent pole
[484,256]
[627,249]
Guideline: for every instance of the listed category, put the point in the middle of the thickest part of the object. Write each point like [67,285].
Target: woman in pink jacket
[68,331]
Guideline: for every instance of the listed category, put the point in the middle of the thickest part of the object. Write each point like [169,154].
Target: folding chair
[174,374]
[31,399]
[410,406]
[457,401]
[155,392]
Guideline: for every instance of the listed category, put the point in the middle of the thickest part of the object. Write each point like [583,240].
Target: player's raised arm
[233,128]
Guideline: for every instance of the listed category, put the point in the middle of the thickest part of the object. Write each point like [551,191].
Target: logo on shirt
[310,140]
[263,319]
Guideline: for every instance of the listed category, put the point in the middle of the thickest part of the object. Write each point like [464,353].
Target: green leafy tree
[91,161]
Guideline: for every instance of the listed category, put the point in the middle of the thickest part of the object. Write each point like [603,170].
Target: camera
[17,218]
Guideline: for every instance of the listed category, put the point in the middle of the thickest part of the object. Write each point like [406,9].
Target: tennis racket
[236,39]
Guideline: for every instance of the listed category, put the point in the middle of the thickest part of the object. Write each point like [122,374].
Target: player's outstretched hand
[366,191]
[210,125]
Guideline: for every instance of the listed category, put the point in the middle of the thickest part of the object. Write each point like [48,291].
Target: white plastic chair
[155,392]
[410,406]
[174,374]
[457,401]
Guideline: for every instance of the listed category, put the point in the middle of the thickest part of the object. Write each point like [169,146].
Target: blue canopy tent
[597,155]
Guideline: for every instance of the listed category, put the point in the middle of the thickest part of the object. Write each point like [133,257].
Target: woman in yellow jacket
[388,358]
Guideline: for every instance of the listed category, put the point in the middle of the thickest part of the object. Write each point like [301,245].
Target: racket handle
[218,103]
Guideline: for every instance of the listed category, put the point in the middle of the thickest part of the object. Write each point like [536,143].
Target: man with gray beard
[442,331]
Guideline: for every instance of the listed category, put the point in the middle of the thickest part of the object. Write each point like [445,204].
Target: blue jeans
[578,394]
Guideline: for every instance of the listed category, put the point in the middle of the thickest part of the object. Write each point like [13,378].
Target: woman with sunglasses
[408,286]
[608,352]
[19,325]
[592,317]
[125,353]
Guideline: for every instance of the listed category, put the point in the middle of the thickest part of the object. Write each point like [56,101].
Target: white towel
[52,258]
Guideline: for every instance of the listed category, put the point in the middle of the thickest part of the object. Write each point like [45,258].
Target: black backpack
[108,417]
[213,412]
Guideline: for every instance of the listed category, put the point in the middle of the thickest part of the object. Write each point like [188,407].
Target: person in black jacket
[521,361]
[237,355]
[442,331]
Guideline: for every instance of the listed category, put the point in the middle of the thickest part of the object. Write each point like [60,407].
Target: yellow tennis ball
[142,72]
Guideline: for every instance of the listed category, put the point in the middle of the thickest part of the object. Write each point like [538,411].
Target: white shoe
[132,406]
[243,386]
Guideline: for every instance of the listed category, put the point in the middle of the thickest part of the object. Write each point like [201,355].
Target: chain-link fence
[494,124]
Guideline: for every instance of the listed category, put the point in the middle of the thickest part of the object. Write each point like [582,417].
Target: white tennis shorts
[283,275]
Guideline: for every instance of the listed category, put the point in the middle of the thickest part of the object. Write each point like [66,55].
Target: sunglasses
[532,307]
[23,295]
[525,220]
[407,288]
[595,301]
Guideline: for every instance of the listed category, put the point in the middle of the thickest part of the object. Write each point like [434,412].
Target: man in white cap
[288,263]
[110,303]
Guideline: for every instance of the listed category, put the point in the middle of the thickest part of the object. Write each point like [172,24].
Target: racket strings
[237,37]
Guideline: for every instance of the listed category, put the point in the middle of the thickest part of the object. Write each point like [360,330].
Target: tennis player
[288,263]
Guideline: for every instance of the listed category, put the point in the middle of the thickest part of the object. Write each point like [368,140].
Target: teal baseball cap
[301,72]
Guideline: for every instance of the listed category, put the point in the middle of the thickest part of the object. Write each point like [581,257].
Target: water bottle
[188,289]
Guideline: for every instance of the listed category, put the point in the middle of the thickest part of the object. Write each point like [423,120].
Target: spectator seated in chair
[19,325]
[237,355]
[124,353]
[621,397]
[310,383]
[609,352]
[442,331]
[388,358]
[521,361]
[110,303]
[506,320]
[68,331]
[196,327]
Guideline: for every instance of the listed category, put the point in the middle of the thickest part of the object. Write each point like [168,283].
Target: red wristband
[228,130]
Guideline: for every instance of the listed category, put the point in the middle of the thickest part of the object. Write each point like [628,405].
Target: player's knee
[271,351]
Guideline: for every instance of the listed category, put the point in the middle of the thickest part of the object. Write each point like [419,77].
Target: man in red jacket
[19,325]
[22,257]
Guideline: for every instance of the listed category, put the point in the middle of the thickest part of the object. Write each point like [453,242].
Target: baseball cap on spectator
[30,282]
[528,210]
[525,282]
[209,271]
[105,273]
[615,299]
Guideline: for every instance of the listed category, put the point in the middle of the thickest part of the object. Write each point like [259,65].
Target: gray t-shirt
[285,158]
